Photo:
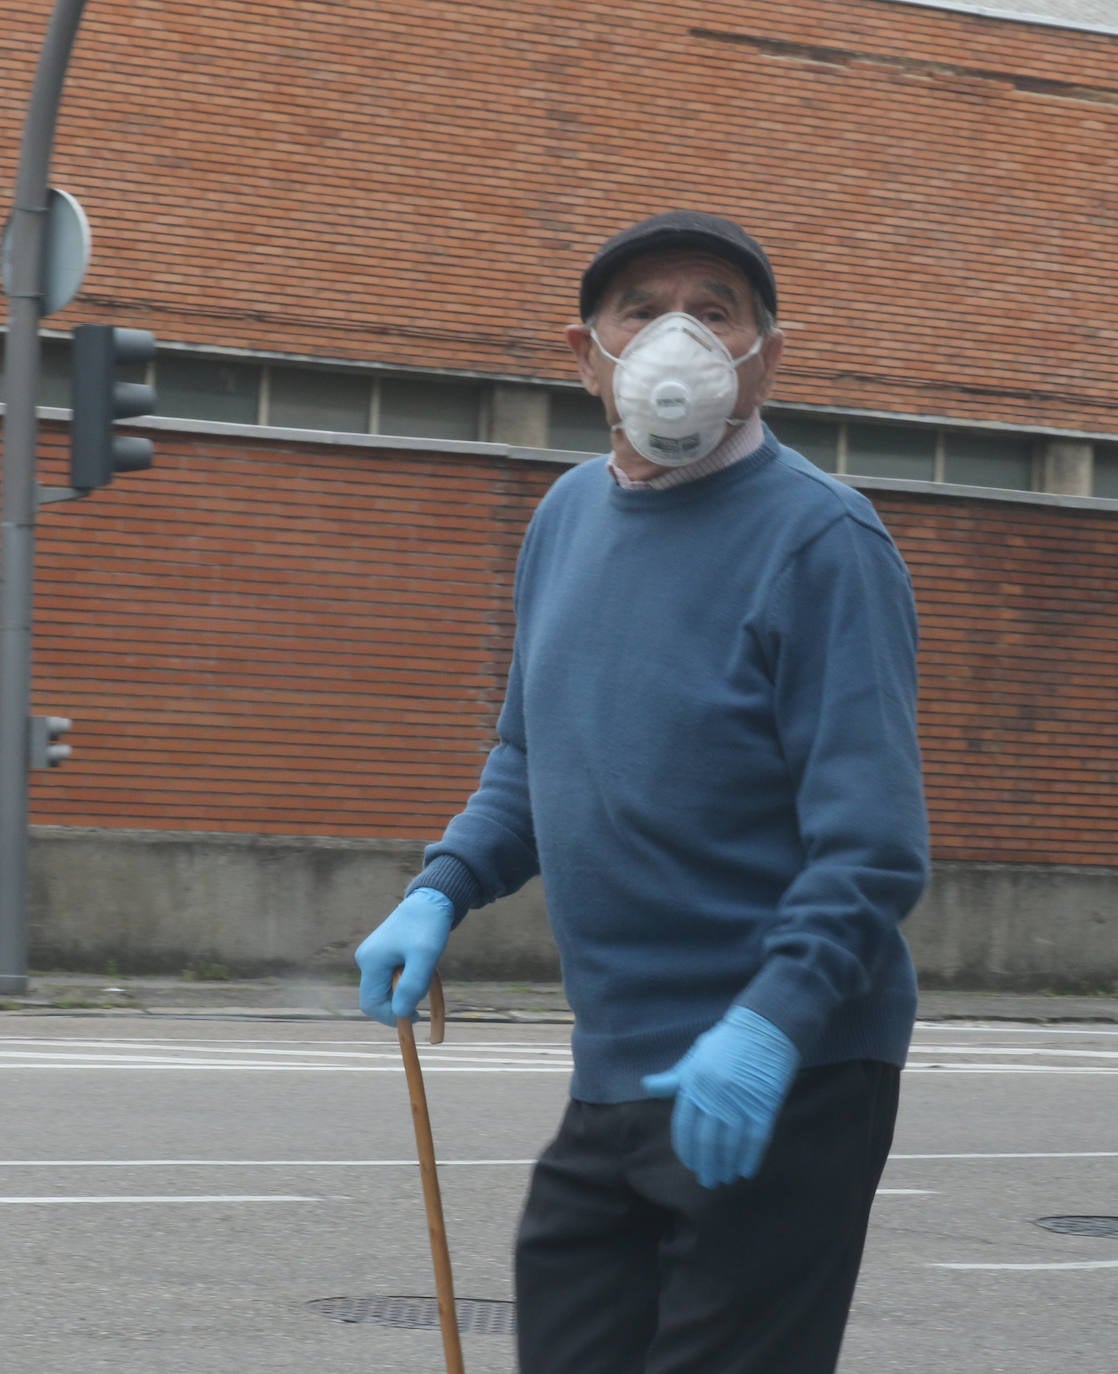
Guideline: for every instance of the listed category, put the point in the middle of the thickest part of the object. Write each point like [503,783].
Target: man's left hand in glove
[728,1088]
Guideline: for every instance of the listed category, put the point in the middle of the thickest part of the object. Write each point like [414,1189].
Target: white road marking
[368,1051]
[166,1064]
[382,1063]
[455,1163]
[148,1197]
[1034,1051]
[250,1163]
[252,1046]
[1008,1070]
[1022,1154]
[1077,1264]
[166,1053]
[559,1045]
[996,1028]
[388,1063]
[79,1063]
[291,1164]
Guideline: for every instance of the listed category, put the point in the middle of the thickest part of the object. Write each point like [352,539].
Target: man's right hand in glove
[413,938]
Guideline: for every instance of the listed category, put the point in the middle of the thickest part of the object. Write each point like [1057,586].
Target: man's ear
[771,353]
[582,346]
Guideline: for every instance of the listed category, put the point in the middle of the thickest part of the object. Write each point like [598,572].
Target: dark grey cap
[679,229]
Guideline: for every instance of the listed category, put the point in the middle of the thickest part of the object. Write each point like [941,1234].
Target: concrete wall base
[1018,928]
[169,902]
[155,901]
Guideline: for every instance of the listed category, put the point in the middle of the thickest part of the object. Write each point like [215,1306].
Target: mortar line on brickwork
[479,339]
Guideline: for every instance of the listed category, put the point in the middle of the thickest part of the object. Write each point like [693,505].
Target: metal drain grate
[1080,1226]
[476,1316]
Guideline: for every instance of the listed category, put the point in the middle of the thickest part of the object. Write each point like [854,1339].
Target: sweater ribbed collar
[742,441]
[712,487]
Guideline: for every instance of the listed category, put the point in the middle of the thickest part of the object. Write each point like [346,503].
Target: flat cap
[678,229]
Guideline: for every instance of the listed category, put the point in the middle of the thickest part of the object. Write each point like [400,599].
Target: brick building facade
[301,634]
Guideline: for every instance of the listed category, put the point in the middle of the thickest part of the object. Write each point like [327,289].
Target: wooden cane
[425,1145]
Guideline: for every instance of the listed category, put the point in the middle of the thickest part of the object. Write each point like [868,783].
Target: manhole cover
[476,1316]
[1081,1226]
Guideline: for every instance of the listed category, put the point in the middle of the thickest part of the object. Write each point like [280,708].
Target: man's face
[656,284]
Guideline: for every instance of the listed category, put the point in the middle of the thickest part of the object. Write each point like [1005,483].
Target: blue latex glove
[413,937]
[729,1088]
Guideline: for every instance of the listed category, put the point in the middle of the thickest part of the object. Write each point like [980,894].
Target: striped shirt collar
[742,441]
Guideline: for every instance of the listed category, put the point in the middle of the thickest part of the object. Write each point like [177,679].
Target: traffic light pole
[17,539]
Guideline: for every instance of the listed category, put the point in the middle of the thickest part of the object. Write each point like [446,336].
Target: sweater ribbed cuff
[798,1001]
[451,877]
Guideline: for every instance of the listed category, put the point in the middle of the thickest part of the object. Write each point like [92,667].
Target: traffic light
[96,453]
[47,750]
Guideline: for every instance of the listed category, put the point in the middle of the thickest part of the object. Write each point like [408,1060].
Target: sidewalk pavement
[280,998]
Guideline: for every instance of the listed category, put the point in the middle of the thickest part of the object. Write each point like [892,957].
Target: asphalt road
[175,1190]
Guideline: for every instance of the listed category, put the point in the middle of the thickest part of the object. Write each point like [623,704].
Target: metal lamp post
[25,278]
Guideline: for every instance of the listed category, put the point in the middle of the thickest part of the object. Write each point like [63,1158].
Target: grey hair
[764,317]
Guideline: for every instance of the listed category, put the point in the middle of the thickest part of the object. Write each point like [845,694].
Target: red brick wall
[313,641]
[285,641]
[1019,626]
[420,181]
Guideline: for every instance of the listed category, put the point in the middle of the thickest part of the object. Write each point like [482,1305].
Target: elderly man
[708,752]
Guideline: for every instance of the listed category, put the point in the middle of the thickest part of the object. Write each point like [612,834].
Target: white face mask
[675,386]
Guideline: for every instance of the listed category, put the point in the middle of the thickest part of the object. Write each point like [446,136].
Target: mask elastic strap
[758,344]
[601,346]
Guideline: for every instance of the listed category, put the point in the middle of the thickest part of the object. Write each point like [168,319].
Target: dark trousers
[626,1265]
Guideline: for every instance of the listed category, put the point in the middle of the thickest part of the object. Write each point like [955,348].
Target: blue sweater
[708,751]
